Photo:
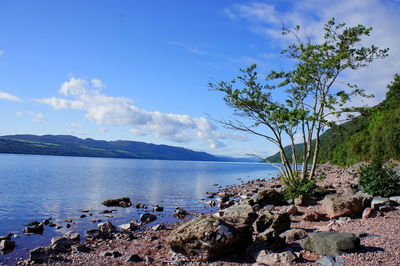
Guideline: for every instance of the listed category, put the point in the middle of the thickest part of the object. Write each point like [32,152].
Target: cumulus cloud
[9,97]
[98,84]
[120,111]
[36,117]
[266,19]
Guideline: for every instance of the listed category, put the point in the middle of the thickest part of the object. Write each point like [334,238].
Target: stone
[313,217]
[106,227]
[268,258]
[331,261]
[242,213]
[179,212]
[120,202]
[395,199]
[291,210]
[93,234]
[33,223]
[34,229]
[278,222]
[61,243]
[211,203]
[330,243]
[106,253]
[207,237]
[158,208]
[72,235]
[7,237]
[269,239]
[368,213]
[159,227]
[387,208]
[134,258]
[304,201]
[265,197]
[131,226]
[147,218]
[140,206]
[40,254]
[293,234]
[337,205]
[378,202]
[6,244]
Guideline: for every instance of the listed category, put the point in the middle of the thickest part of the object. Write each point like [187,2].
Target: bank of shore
[151,245]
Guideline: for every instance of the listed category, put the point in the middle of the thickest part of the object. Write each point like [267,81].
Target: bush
[377,180]
[294,188]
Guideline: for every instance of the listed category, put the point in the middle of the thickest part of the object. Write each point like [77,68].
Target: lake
[35,187]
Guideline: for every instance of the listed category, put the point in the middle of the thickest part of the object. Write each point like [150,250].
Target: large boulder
[330,243]
[120,202]
[40,254]
[73,235]
[293,234]
[107,227]
[267,197]
[61,243]
[278,222]
[266,257]
[338,205]
[207,237]
[242,213]
[34,229]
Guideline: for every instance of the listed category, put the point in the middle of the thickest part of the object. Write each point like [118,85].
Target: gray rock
[93,234]
[179,212]
[147,217]
[331,261]
[278,222]
[158,208]
[72,235]
[6,244]
[207,237]
[337,205]
[107,227]
[61,243]
[242,213]
[378,202]
[387,208]
[269,196]
[131,226]
[34,229]
[7,237]
[268,258]
[120,202]
[395,199]
[159,227]
[40,254]
[330,243]
[304,201]
[293,234]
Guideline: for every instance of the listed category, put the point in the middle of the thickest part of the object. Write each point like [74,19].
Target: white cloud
[9,97]
[267,19]
[137,133]
[119,111]
[98,84]
[37,117]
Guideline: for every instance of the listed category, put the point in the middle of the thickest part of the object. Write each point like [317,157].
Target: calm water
[36,187]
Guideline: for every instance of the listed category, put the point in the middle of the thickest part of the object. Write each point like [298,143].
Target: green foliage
[296,187]
[377,180]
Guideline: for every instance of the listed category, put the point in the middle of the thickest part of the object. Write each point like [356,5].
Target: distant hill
[375,134]
[65,145]
[72,146]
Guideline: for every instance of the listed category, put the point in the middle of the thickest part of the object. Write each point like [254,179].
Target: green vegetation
[310,99]
[378,180]
[375,135]
[300,187]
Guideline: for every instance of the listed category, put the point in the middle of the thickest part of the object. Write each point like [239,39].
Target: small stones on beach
[134,258]
[110,253]
[120,202]
[147,218]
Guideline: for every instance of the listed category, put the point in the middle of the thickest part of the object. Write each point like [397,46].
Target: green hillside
[373,135]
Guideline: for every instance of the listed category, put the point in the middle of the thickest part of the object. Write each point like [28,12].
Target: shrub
[377,180]
[294,188]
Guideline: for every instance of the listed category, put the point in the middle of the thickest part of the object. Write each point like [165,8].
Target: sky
[139,70]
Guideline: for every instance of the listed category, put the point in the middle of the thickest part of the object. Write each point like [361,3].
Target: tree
[311,94]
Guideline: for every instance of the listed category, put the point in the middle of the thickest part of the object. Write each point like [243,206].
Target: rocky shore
[254,224]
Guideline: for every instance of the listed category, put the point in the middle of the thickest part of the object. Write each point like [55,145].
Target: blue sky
[138,70]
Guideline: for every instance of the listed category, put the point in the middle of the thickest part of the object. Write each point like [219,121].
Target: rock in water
[121,202]
[6,245]
[34,229]
[330,243]
[72,235]
[338,205]
[207,237]
[147,217]
[106,227]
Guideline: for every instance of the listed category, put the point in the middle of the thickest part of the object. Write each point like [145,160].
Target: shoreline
[150,246]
